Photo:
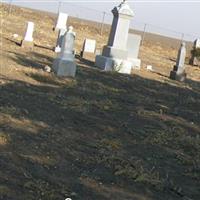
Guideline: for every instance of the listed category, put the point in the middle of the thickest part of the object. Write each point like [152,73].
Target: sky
[165,17]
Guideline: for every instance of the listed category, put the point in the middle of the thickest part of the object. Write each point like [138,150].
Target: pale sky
[166,17]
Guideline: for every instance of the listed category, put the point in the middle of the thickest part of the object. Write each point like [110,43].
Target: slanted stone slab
[178,72]
[61,22]
[64,64]
[88,50]
[133,46]
[27,42]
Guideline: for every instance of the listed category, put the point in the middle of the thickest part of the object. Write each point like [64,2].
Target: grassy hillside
[101,135]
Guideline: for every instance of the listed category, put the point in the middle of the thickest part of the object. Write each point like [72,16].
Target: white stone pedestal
[61,22]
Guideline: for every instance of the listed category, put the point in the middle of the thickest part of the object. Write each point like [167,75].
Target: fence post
[102,23]
[143,34]
[59,5]
[182,36]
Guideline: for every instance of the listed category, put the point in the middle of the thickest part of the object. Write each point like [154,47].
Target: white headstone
[61,21]
[180,62]
[197,44]
[133,45]
[89,46]
[29,32]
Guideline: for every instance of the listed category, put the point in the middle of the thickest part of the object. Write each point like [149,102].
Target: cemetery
[85,115]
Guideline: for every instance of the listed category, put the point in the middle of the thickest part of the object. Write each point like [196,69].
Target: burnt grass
[100,136]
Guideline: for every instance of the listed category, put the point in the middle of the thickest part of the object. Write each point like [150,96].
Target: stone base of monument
[136,63]
[27,44]
[64,67]
[88,56]
[112,64]
[178,77]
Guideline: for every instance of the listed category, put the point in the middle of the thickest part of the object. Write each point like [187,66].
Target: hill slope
[99,136]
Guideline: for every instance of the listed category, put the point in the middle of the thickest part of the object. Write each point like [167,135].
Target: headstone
[116,49]
[178,72]
[88,50]
[64,64]
[28,39]
[197,44]
[133,46]
[61,34]
[195,61]
[61,21]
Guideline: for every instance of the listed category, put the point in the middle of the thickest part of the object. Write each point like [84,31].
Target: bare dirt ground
[98,136]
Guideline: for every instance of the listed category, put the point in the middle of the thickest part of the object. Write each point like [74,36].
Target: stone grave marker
[116,50]
[88,50]
[61,22]
[64,64]
[28,39]
[197,43]
[178,72]
[133,45]
[61,34]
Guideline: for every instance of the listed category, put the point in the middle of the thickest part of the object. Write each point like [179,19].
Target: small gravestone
[61,34]
[88,50]
[61,22]
[28,39]
[195,61]
[64,64]
[133,45]
[178,72]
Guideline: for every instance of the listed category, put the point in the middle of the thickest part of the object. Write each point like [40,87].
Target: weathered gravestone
[61,34]
[197,43]
[133,46]
[64,64]
[195,61]
[61,22]
[28,39]
[178,72]
[115,53]
[88,50]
